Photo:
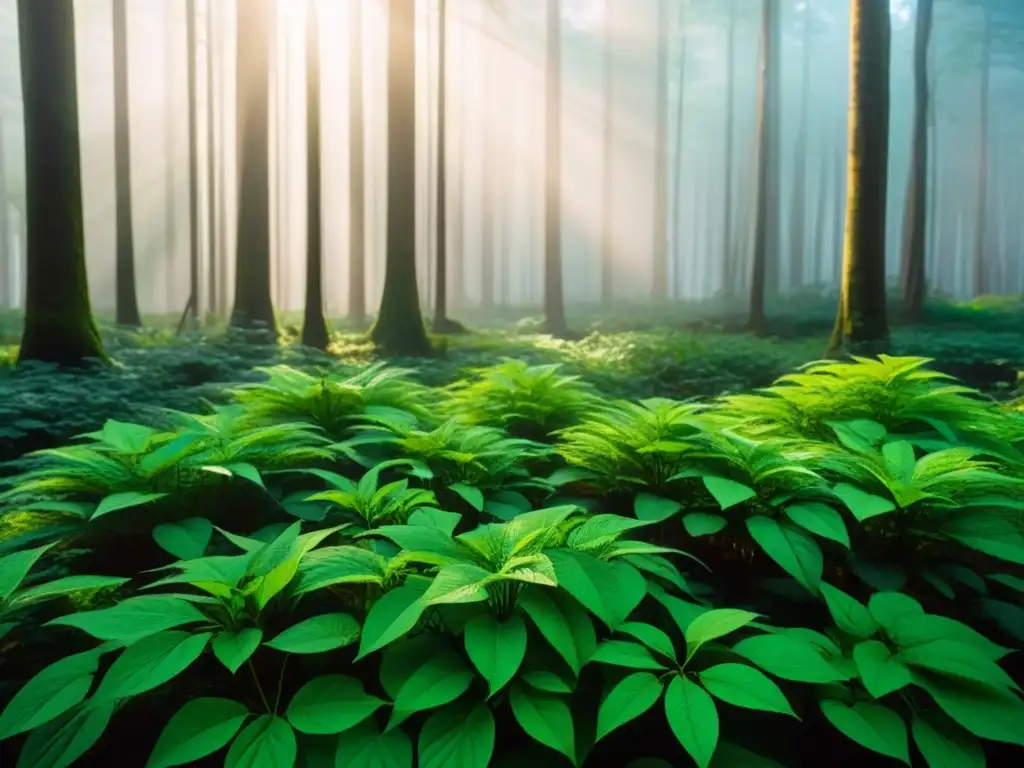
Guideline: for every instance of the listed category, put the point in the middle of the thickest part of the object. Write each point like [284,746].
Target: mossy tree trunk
[314,324]
[659,246]
[253,305]
[861,323]
[357,172]
[399,328]
[608,158]
[915,221]
[126,309]
[554,300]
[59,326]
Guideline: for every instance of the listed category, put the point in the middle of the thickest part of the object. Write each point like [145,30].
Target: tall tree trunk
[820,241]
[659,245]
[442,324]
[915,221]
[861,322]
[223,198]
[554,301]
[798,212]
[169,260]
[314,324]
[677,169]
[126,303]
[608,159]
[933,244]
[399,328]
[253,305]
[193,163]
[211,170]
[980,264]
[765,98]
[487,164]
[839,174]
[728,240]
[59,326]
[8,291]
[773,156]
[357,172]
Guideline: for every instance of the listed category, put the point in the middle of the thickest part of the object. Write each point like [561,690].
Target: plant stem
[280,682]
[259,687]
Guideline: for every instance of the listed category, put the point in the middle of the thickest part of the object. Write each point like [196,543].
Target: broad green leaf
[266,742]
[115,502]
[819,519]
[365,747]
[849,615]
[331,704]
[185,539]
[545,718]
[693,719]
[459,583]
[744,686]
[339,565]
[60,742]
[943,743]
[1013,582]
[917,630]
[563,623]
[889,608]
[788,658]
[439,519]
[880,576]
[861,504]
[661,567]
[233,649]
[544,680]
[871,725]
[440,680]
[682,612]
[496,648]
[729,755]
[625,654]
[991,534]
[150,663]
[650,636]
[629,699]
[456,738]
[958,659]
[879,671]
[796,552]
[198,729]
[15,567]
[858,434]
[714,624]
[470,494]
[1008,616]
[699,524]
[728,493]
[989,713]
[274,553]
[317,634]
[134,618]
[609,590]
[900,461]
[246,472]
[65,586]
[654,508]
[50,693]
[392,616]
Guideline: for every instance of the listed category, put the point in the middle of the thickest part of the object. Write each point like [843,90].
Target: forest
[468,383]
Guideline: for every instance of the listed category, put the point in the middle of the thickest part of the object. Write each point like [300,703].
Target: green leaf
[68,585]
[246,472]
[274,553]
[198,729]
[693,719]
[50,693]
[917,630]
[392,616]
[317,634]
[654,508]
[115,502]
[331,704]
[871,725]
[438,681]
[459,583]
[545,718]
[879,671]
[703,524]
[861,504]
[1008,616]
[563,623]
[796,552]
[1013,582]
[364,747]
[989,713]
[786,657]
[470,494]
[819,519]
[744,686]
[60,742]
[650,636]
[849,615]
[15,567]
[266,742]
[233,649]
[185,539]
[943,743]
[728,493]
[455,738]
[625,654]
[952,657]
[496,648]
[714,624]
[609,590]
[150,663]
[134,618]
[880,576]
[991,534]
[543,680]
[889,608]
[900,461]
[629,699]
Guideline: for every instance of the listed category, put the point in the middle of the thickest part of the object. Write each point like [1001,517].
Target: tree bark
[357,172]
[193,163]
[861,322]
[7,289]
[677,171]
[608,159]
[314,324]
[59,327]
[659,249]
[487,162]
[980,264]
[554,301]
[798,212]
[728,239]
[211,170]
[765,97]
[399,328]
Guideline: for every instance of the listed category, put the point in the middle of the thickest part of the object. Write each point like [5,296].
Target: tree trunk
[7,287]
[820,241]
[915,221]
[659,246]
[608,160]
[765,98]
[253,305]
[798,213]
[193,163]
[861,322]
[728,240]
[773,155]
[357,172]
[399,328]
[211,173]
[59,327]
[677,170]
[487,163]
[554,301]
[314,324]
[980,266]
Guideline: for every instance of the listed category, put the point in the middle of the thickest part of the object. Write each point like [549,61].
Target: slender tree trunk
[820,208]
[357,172]
[765,97]
[253,305]
[933,244]
[608,159]
[839,174]
[861,322]
[915,222]
[980,265]
[677,170]
[223,199]
[487,164]
[773,156]
[59,327]
[659,249]
[193,163]
[399,328]
[728,240]
[798,213]
[314,324]
[211,170]
[7,289]
[169,261]
[126,303]
[554,301]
